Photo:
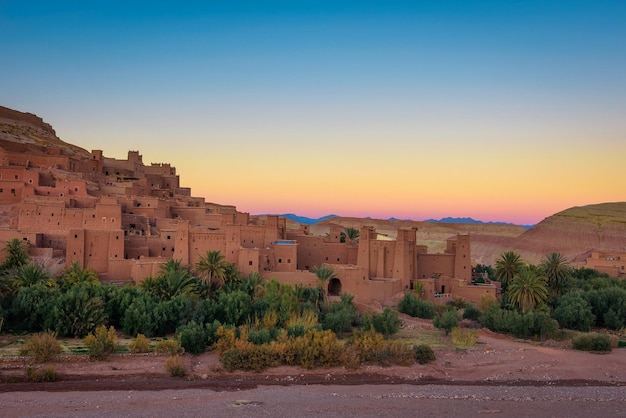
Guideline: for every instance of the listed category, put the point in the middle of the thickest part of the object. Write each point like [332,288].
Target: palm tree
[77,275]
[507,266]
[32,274]
[528,288]
[212,268]
[350,233]
[17,254]
[557,269]
[173,280]
[324,273]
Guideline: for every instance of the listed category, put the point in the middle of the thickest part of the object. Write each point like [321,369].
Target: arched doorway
[334,287]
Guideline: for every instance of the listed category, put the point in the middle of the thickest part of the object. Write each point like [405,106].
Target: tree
[507,266]
[350,234]
[31,274]
[17,254]
[574,312]
[212,268]
[173,280]
[557,270]
[528,288]
[77,275]
[324,273]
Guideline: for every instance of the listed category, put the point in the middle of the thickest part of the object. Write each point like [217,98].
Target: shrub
[472,312]
[174,365]
[424,354]
[193,337]
[141,344]
[42,346]
[446,321]
[101,343]
[487,301]
[574,312]
[315,348]
[170,347]
[47,374]
[464,337]
[592,342]
[387,323]
[417,308]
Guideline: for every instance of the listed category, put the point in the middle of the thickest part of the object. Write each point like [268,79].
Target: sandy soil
[498,375]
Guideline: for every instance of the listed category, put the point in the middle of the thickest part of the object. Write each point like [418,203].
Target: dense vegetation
[250,322]
[254,324]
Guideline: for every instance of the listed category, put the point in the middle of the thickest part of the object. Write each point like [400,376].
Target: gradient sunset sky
[497,110]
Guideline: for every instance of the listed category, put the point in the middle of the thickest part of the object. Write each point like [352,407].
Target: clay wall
[284,257]
[432,265]
[160,169]
[315,251]
[248,261]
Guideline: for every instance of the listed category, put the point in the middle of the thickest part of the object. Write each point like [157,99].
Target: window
[75,235]
[289,261]
[280,260]
[250,263]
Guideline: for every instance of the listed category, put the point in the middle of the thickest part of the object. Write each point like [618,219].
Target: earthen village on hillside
[124,219]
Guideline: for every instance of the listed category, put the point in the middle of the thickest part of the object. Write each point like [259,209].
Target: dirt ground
[499,369]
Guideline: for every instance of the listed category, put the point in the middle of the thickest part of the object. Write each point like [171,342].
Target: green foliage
[101,343]
[592,342]
[472,312]
[350,234]
[32,308]
[574,312]
[193,337]
[531,324]
[340,316]
[608,304]
[17,254]
[78,311]
[448,320]
[42,346]
[175,367]
[424,354]
[173,280]
[464,337]
[140,316]
[482,268]
[528,288]
[508,266]
[212,268]
[557,269]
[386,323]
[415,307]
[235,307]
[371,346]
[74,275]
[31,274]
[141,344]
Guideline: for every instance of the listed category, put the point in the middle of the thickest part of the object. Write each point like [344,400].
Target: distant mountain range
[450,220]
[310,221]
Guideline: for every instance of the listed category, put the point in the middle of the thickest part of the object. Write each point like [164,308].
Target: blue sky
[414,109]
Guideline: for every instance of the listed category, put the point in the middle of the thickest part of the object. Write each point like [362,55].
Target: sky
[496,110]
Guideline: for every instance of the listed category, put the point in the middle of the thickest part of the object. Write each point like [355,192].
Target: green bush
[574,312]
[471,312]
[592,342]
[193,337]
[424,354]
[174,365]
[387,323]
[446,321]
[101,343]
[140,345]
[415,307]
[42,346]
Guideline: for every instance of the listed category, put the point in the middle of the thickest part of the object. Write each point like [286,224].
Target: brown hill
[25,132]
